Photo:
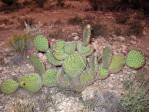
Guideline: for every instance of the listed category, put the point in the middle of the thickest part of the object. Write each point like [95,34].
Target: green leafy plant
[136,100]
[21,43]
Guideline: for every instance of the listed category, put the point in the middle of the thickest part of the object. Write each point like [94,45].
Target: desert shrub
[75,20]
[20,43]
[60,3]
[94,4]
[98,30]
[136,100]
[135,28]
[28,20]
[56,34]
[8,2]
[121,18]
[40,3]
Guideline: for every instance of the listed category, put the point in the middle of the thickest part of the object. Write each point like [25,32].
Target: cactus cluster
[74,65]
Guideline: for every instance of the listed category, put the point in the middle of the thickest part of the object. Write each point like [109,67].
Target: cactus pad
[117,63]
[30,82]
[102,72]
[86,77]
[49,78]
[84,50]
[86,35]
[70,47]
[9,86]
[74,64]
[37,63]
[106,57]
[51,59]
[58,50]
[41,43]
[135,59]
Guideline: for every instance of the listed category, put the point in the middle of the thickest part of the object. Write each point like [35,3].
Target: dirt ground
[51,19]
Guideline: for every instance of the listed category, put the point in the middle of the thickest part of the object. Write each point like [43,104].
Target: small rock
[76,38]
[133,42]
[133,37]
[74,34]
[122,39]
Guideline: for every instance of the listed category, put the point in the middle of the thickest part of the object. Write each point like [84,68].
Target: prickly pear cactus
[74,64]
[86,35]
[117,63]
[86,77]
[41,43]
[52,60]
[63,80]
[135,59]
[84,50]
[30,82]
[106,57]
[102,72]
[70,47]
[58,50]
[49,78]
[9,86]
[37,63]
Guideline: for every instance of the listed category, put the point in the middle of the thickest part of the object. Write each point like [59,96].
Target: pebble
[76,38]
[122,39]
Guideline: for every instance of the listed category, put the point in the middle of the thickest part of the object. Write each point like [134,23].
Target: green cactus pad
[92,63]
[63,80]
[86,77]
[102,72]
[86,35]
[41,43]
[51,59]
[74,64]
[30,82]
[58,50]
[84,50]
[117,63]
[106,57]
[135,59]
[37,63]
[9,86]
[49,78]
[70,47]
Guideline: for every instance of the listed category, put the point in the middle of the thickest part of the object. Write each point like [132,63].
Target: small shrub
[98,30]
[135,28]
[136,100]
[8,2]
[60,3]
[75,20]
[40,3]
[121,19]
[94,4]
[56,34]
[28,20]
[21,43]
